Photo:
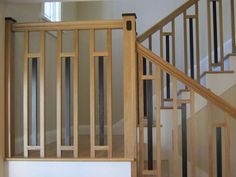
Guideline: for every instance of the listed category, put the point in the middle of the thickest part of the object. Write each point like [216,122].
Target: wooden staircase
[175,121]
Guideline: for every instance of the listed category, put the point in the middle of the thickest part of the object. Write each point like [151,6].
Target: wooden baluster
[209,35]
[109,92]
[197,43]
[233,25]
[175,129]
[221,35]
[158,119]
[42,94]
[92,94]
[141,114]
[59,85]
[75,92]
[9,86]
[210,139]
[193,133]
[25,92]
[228,155]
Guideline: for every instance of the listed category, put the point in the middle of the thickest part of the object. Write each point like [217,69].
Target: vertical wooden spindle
[175,130]
[209,35]
[221,35]
[25,92]
[92,94]
[192,133]
[75,92]
[59,85]
[158,119]
[109,92]
[42,94]
[9,86]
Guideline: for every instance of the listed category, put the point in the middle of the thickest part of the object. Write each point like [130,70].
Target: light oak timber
[100,54]
[209,35]
[167,34]
[101,148]
[25,92]
[130,108]
[192,134]
[67,54]
[109,92]
[149,172]
[228,155]
[34,55]
[66,148]
[33,148]
[148,77]
[204,92]
[210,140]
[221,35]
[59,85]
[64,26]
[42,93]
[75,92]
[158,119]
[71,159]
[9,86]
[166,20]
[175,131]
[141,115]
[92,94]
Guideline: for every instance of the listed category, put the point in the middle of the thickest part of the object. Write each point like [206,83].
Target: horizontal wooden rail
[54,26]
[204,92]
[166,20]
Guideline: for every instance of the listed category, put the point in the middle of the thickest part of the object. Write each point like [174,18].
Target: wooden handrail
[204,92]
[83,25]
[166,20]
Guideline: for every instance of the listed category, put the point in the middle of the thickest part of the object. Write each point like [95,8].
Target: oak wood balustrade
[128,27]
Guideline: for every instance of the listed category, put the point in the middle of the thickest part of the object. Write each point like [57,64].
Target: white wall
[2,137]
[69,169]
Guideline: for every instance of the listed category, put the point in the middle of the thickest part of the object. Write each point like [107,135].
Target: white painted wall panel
[68,169]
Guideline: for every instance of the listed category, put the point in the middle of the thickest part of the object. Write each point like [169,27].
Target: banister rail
[204,92]
[166,20]
[82,25]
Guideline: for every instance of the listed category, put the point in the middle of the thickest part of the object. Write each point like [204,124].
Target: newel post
[130,97]
[9,38]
